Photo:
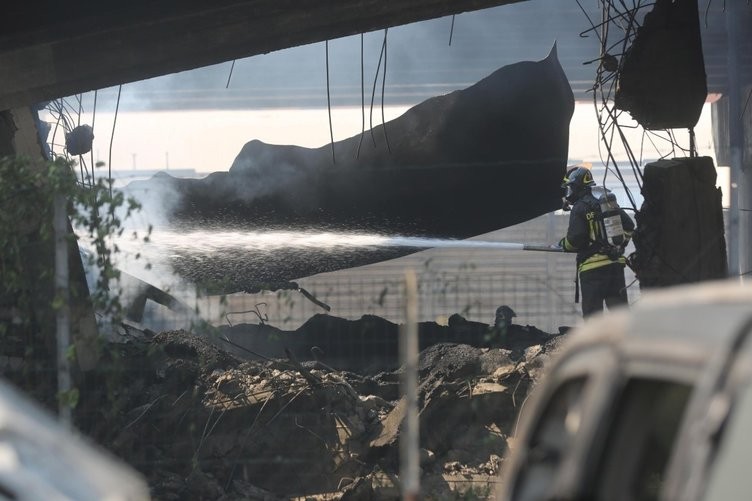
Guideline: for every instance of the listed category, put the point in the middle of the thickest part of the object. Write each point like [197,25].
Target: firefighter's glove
[614,252]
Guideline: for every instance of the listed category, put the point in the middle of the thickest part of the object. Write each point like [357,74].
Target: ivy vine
[27,299]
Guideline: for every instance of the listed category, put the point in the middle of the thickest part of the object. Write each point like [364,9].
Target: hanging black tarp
[662,81]
[454,166]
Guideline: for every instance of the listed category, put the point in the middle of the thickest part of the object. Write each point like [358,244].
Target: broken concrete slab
[454,166]
[370,344]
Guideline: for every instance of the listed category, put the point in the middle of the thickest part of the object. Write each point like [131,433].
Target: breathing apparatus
[611,219]
[577,182]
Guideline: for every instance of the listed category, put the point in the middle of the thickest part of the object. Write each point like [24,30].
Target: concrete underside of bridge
[50,49]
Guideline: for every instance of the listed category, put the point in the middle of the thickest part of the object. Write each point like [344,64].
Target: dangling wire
[616,32]
[329,101]
[592,26]
[744,109]
[373,92]
[93,119]
[362,97]
[79,100]
[78,123]
[229,76]
[112,138]
[57,108]
[692,147]
[383,88]
[451,31]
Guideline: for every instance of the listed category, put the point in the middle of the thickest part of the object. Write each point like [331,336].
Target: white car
[650,403]
[42,460]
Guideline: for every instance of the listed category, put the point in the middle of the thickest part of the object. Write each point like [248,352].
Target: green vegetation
[28,300]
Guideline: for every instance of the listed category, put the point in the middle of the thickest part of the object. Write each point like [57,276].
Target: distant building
[122,177]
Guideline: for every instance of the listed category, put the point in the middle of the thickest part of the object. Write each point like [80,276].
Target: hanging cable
[93,119]
[744,109]
[80,109]
[112,137]
[229,76]
[592,26]
[362,97]
[373,93]
[451,31]
[329,101]
[52,110]
[383,89]
[78,123]
[616,31]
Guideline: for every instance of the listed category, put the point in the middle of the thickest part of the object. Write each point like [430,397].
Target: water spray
[217,241]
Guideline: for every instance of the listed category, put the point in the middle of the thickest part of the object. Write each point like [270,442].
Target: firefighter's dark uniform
[600,267]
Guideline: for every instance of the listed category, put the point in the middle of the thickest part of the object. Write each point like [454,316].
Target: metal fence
[167,397]
[473,283]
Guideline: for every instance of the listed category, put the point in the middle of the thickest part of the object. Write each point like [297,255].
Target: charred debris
[289,420]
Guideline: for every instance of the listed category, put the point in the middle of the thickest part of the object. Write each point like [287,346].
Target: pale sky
[209,140]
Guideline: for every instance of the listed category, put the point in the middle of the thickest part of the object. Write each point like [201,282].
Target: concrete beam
[100,47]
[19,137]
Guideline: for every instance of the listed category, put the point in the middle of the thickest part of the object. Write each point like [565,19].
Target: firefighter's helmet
[577,181]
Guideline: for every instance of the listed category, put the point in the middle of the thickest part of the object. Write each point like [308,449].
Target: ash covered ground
[205,417]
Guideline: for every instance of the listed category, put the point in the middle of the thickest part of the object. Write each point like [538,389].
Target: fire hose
[528,247]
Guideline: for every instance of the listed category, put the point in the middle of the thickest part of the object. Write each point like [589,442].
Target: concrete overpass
[50,49]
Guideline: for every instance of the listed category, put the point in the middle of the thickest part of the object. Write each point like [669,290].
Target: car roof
[696,320]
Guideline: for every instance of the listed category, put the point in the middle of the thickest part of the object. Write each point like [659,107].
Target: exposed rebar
[362,97]
[112,138]
[229,76]
[383,90]
[329,102]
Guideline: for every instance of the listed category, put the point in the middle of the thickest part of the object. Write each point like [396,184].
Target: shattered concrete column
[739,123]
[740,165]
[737,235]
[679,237]
[745,189]
[62,315]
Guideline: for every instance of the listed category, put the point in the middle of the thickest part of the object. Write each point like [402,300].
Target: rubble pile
[201,423]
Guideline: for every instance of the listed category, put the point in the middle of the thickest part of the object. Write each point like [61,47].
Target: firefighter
[600,256]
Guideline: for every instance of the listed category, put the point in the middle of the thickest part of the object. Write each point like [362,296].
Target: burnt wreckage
[453,166]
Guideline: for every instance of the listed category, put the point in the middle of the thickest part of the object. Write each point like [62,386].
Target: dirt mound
[201,423]
[370,344]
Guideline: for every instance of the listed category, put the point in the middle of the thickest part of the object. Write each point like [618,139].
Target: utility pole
[409,444]
[739,231]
